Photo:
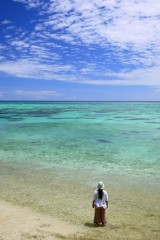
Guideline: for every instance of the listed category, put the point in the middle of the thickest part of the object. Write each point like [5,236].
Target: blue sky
[80,50]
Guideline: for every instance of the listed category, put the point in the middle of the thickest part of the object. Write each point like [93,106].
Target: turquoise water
[100,136]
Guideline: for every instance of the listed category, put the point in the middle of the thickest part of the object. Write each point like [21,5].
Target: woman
[100,203]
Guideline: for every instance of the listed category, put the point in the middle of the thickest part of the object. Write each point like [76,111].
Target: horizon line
[79,101]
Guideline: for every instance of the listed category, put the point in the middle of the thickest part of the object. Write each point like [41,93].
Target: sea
[121,137]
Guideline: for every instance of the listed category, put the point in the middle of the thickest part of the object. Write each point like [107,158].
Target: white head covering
[100,185]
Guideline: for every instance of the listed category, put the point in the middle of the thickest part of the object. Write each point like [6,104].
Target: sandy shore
[55,204]
[22,223]
[17,223]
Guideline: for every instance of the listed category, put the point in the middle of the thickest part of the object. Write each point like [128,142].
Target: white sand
[56,204]
[17,223]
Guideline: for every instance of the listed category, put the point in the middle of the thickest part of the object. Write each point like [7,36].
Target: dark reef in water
[153,122]
[138,119]
[103,141]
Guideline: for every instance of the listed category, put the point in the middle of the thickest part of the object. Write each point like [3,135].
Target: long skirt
[100,215]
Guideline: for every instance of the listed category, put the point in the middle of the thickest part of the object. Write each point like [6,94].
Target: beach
[23,223]
[52,207]
[53,154]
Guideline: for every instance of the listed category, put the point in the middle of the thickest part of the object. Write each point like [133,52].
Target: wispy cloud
[29,94]
[1,94]
[30,3]
[36,94]
[31,69]
[157,90]
[91,42]
[5,22]
[121,23]
[19,44]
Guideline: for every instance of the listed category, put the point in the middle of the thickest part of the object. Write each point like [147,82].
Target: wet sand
[38,202]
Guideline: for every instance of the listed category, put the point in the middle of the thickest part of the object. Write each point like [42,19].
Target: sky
[80,50]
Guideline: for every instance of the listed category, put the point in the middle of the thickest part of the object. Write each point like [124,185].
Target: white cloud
[32,69]
[35,94]
[30,3]
[129,30]
[5,22]
[157,90]
[121,23]
[20,44]
[21,94]
[2,47]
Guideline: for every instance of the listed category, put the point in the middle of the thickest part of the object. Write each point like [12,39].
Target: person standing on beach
[100,203]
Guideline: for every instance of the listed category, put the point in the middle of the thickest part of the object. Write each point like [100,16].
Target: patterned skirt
[100,215]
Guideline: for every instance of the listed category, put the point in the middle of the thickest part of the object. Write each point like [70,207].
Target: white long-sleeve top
[100,202]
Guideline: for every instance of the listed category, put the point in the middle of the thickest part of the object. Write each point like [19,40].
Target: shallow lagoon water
[103,136]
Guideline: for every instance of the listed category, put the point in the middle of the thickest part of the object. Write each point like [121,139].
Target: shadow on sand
[92,225]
